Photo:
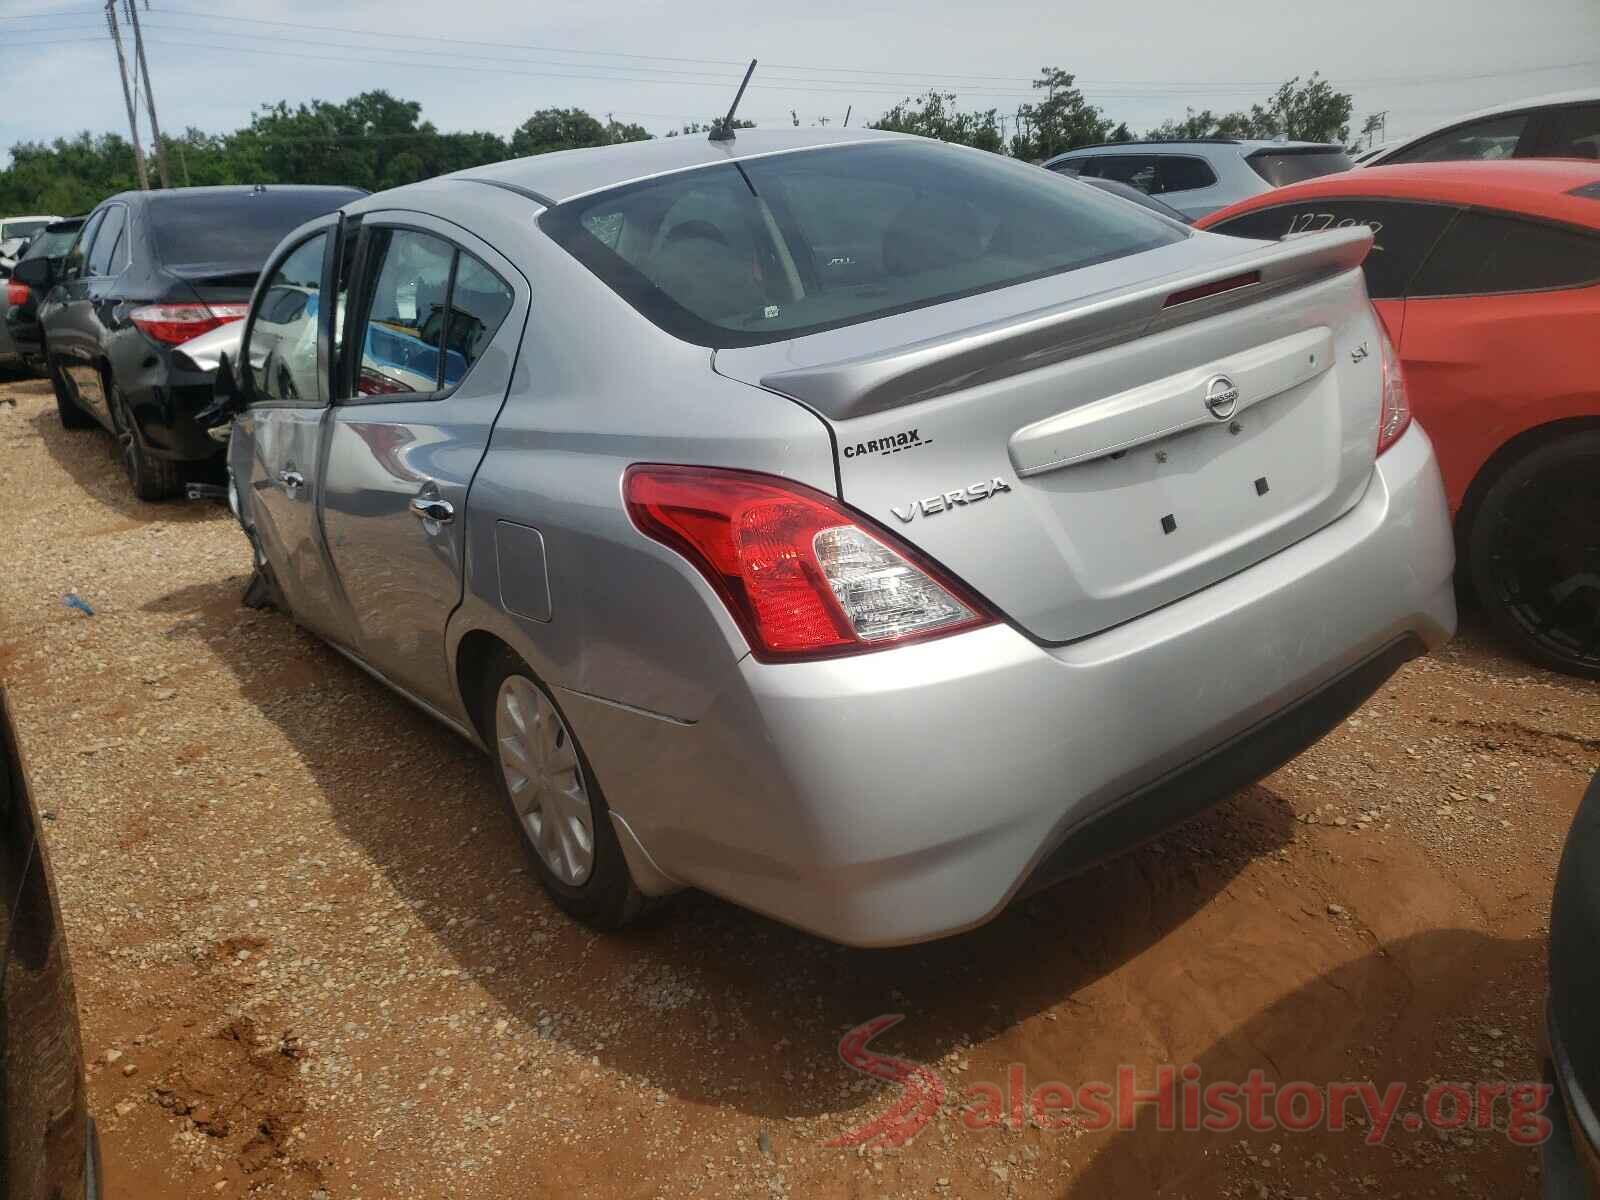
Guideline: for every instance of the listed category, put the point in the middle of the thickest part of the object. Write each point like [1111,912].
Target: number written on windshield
[1316,222]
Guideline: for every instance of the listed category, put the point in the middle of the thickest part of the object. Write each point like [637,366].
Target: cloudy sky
[485,64]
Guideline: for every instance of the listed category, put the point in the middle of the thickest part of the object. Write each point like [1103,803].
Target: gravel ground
[311,964]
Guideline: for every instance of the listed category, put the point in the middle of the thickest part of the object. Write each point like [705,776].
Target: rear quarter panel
[1482,369]
[596,389]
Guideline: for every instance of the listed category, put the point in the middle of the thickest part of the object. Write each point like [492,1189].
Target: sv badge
[945,501]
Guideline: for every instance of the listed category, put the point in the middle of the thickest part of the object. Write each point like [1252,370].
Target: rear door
[276,451]
[73,327]
[428,350]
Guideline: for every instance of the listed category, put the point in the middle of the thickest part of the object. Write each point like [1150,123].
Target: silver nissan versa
[863,529]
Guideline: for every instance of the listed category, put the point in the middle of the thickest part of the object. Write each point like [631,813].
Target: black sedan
[148,272]
[1572,1153]
[48,1147]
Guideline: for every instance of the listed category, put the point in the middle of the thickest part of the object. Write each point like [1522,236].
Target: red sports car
[1487,277]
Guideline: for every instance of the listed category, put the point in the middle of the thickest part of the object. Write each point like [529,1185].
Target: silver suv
[1201,175]
[858,527]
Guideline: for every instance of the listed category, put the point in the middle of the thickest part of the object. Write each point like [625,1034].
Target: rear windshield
[53,243]
[772,248]
[23,229]
[236,229]
[1280,167]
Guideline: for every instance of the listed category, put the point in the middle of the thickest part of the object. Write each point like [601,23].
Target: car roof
[242,189]
[563,174]
[1542,187]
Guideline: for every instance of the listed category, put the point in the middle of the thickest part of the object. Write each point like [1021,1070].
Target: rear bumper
[908,794]
[164,397]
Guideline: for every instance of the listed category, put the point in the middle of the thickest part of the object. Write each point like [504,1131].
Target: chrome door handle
[291,479]
[426,509]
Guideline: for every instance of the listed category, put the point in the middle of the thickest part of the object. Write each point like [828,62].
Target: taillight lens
[174,324]
[1394,416]
[804,576]
[16,293]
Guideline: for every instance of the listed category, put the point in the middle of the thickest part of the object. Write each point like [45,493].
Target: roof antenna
[723,131]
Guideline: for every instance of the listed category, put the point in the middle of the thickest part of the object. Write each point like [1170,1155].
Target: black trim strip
[516,188]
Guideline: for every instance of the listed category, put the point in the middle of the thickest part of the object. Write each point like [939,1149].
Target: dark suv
[149,271]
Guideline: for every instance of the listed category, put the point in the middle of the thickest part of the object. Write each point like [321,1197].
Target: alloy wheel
[545,779]
[1545,560]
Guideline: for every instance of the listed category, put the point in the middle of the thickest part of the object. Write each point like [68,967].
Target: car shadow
[700,998]
[1447,1005]
[90,457]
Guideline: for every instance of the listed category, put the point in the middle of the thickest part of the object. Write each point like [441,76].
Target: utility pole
[149,95]
[127,96]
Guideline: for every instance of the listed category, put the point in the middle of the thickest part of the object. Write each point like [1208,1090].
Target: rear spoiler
[858,387]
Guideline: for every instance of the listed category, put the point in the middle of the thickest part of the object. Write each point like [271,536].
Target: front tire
[1534,554]
[553,799]
[152,478]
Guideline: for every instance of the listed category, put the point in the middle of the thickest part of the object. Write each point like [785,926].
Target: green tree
[934,114]
[1309,112]
[570,129]
[1062,121]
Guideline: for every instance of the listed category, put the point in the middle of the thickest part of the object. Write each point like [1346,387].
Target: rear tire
[72,416]
[1534,554]
[152,478]
[553,799]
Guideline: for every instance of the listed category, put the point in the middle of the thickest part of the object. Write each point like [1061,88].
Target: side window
[1572,133]
[1495,137]
[1484,253]
[479,302]
[78,256]
[105,241]
[1084,166]
[281,342]
[404,313]
[1135,170]
[1402,234]
[1182,173]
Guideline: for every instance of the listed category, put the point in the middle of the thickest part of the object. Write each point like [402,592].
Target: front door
[277,448]
[427,356]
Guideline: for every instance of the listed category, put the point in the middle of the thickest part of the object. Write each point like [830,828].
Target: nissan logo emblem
[1221,397]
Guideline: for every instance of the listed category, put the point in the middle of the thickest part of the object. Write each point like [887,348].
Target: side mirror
[227,401]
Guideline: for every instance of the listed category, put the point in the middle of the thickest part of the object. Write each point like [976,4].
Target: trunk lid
[219,282]
[1081,449]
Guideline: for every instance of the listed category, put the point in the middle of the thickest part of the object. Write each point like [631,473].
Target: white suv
[1200,175]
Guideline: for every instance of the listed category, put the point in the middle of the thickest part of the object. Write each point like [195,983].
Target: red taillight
[16,293]
[1215,288]
[804,576]
[1394,414]
[174,324]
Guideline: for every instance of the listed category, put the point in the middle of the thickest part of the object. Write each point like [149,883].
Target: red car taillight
[1394,415]
[804,576]
[16,293]
[174,324]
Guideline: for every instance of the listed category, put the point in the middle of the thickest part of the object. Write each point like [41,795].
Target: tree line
[377,141]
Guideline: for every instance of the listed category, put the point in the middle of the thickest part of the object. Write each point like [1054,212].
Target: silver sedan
[863,529]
